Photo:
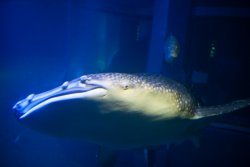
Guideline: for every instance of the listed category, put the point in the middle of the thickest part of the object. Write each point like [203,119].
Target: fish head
[68,91]
[61,110]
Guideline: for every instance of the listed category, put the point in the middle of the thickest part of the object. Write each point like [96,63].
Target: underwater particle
[16,139]
[101,64]
[171,49]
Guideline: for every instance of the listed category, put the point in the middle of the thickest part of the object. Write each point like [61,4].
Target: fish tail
[221,109]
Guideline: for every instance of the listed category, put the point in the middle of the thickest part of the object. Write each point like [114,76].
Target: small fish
[171,49]
[212,51]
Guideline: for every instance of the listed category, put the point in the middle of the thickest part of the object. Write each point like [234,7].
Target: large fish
[119,110]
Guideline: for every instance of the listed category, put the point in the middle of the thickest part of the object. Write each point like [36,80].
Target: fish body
[171,49]
[118,110]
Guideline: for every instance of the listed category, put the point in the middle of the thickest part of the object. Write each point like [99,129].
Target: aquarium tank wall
[203,44]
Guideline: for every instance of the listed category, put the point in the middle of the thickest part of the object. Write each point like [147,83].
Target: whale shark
[119,110]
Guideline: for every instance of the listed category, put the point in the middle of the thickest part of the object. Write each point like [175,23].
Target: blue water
[44,43]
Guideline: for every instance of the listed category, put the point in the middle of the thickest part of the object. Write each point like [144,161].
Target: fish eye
[125,87]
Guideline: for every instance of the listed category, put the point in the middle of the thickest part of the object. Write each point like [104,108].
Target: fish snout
[20,106]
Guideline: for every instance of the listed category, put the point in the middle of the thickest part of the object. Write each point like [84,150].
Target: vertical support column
[159,28]
[178,25]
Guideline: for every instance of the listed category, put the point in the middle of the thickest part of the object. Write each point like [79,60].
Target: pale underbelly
[126,130]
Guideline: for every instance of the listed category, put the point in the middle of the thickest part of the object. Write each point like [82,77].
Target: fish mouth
[68,91]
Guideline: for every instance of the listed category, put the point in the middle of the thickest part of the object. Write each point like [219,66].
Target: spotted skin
[156,84]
